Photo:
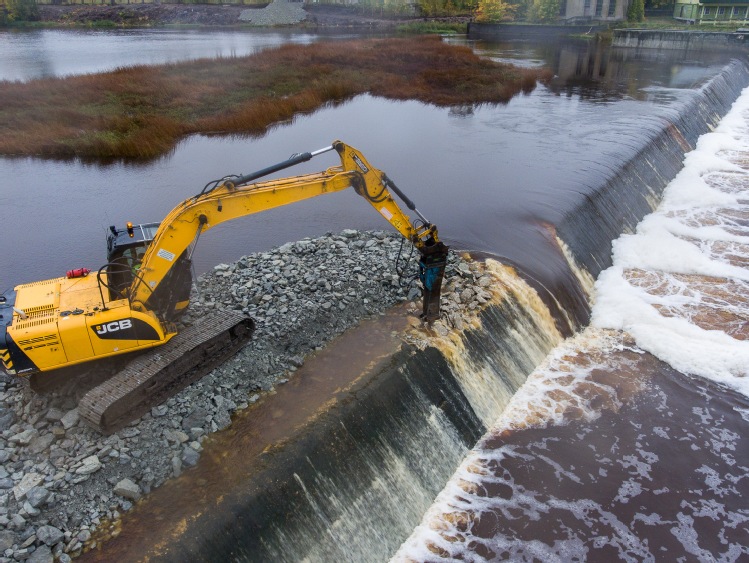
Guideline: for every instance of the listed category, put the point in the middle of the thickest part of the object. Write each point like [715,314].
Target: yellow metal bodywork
[58,323]
[227,202]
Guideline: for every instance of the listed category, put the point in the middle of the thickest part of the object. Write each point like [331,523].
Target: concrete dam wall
[674,39]
[634,190]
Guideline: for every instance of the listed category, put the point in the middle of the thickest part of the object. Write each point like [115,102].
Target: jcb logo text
[114,326]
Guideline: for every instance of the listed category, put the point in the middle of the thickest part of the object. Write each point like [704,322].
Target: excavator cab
[125,250]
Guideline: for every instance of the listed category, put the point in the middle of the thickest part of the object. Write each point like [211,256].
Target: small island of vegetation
[141,112]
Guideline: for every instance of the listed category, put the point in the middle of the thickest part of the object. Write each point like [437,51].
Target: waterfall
[635,189]
[352,486]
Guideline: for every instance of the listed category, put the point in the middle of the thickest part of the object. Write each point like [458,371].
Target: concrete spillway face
[635,187]
[624,443]
[351,480]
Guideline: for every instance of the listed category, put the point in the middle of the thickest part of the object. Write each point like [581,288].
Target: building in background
[711,11]
[593,10]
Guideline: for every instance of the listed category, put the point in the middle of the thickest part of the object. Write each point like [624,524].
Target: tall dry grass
[141,112]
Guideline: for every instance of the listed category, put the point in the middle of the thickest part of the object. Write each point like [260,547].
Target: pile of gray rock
[59,479]
[278,12]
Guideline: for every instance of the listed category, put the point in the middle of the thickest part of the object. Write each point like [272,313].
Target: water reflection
[594,72]
[50,52]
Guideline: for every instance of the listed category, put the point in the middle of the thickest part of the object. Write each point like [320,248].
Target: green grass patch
[141,112]
[426,27]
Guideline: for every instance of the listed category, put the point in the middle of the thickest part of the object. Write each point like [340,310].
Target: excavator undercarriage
[152,378]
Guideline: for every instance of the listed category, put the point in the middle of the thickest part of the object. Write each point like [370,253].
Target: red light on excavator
[130,229]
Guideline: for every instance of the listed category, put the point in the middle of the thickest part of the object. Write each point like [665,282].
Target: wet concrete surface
[231,459]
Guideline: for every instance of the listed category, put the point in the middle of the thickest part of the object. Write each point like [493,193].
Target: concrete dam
[352,474]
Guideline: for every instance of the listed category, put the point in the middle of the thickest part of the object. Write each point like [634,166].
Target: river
[583,126]
[499,180]
[629,443]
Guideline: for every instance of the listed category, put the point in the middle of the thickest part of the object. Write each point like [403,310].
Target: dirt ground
[213,15]
[143,14]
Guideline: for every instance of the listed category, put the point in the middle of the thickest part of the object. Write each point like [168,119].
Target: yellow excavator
[132,302]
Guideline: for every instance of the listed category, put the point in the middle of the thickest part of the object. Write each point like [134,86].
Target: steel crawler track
[153,377]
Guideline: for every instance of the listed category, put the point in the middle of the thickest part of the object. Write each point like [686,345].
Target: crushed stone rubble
[60,480]
[278,12]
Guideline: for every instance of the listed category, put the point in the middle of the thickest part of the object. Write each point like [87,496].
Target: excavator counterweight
[132,303]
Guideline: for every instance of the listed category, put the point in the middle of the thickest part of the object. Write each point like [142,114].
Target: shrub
[22,10]
[490,11]
[545,11]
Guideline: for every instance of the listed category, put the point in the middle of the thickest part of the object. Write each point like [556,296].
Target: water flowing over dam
[635,187]
[629,441]
[353,477]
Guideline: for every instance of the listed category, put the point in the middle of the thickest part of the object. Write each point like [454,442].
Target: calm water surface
[472,170]
[43,53]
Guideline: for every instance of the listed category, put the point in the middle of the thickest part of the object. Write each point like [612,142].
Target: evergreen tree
[636,11]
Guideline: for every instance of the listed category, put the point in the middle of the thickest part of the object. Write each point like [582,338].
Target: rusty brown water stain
[594,371]
[730,252]
[231,457]
[734,221]
[738,157]
[679,138]
[728,182]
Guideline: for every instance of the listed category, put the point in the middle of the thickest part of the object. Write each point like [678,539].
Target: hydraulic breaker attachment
[431,270]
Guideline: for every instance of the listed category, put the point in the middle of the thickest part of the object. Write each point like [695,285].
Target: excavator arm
[234,197]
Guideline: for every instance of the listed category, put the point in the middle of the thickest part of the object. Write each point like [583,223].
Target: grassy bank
[667,23]
[141,112]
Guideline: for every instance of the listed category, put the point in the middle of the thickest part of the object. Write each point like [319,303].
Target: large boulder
[49,535]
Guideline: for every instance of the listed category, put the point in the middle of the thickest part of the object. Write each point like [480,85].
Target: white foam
[560,386]
[677,239]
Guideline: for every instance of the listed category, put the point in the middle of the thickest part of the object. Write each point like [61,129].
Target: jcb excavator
[133,301]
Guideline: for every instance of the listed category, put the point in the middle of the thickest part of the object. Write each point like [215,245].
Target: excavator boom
[234,197]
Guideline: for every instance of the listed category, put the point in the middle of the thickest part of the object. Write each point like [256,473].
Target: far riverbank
[155,15]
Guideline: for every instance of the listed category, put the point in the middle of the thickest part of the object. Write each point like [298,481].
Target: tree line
[491,11]
[18,11]
[495,11]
